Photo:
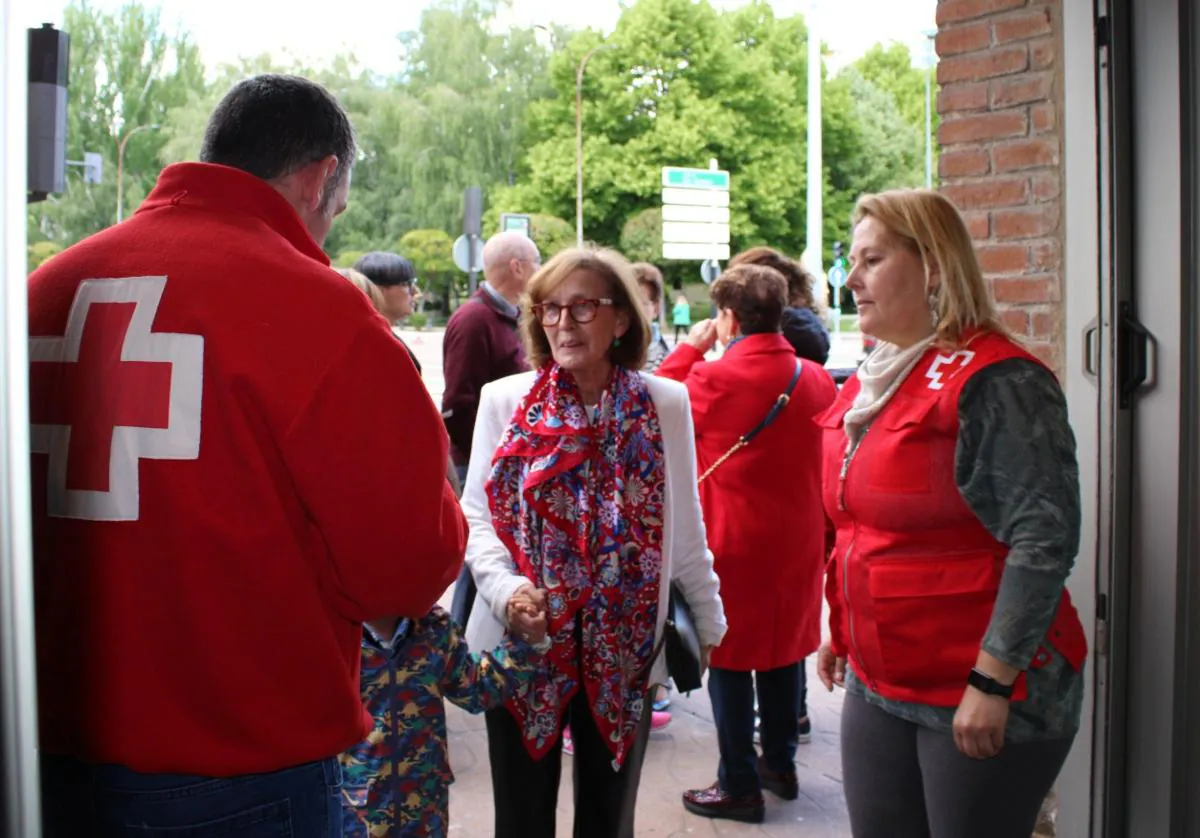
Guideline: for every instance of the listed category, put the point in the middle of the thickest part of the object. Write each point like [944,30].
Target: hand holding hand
[527,614]
[830,668]
[703,336]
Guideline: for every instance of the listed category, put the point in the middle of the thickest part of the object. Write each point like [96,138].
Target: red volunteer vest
[913,579]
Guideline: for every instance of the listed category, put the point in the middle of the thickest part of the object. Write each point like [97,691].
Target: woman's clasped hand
[527,614]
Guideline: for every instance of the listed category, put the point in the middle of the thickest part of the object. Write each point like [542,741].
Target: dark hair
[649,276]
[386,269]
[755,294]
[273,125]
[799,280]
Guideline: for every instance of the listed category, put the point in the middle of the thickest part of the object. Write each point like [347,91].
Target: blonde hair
[614,269]
[360,281]
[932,227]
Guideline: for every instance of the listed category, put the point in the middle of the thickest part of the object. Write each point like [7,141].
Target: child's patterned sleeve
[479,682]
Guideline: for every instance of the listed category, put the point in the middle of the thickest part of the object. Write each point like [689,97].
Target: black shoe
[805,730]
[785,786]
[715,802]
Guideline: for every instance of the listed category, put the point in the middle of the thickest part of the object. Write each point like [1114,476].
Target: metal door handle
[1137,356]
[1091,348]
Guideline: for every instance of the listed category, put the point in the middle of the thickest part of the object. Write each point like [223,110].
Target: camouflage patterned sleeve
[479,682]
[1016,468]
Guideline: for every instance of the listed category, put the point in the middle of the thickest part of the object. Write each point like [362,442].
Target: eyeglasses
[582,311]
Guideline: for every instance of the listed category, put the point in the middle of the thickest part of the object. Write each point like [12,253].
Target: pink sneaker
[659,719]
[568,743]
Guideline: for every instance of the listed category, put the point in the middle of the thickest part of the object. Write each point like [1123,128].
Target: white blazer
[686,558]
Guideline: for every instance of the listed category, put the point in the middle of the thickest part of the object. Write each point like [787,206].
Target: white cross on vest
[109,393]
[962,358]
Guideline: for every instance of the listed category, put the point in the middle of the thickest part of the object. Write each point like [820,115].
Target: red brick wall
[1001,149]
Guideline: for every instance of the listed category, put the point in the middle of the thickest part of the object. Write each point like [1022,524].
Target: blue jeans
[110,801]
[732,695]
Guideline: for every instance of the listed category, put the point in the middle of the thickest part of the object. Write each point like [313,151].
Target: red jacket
[913,578]
[242,467]
[762,507]
[482,344]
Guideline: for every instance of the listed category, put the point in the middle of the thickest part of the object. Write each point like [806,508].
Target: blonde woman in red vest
[951,477]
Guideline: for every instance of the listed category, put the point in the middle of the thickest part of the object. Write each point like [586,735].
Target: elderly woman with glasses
[581,494]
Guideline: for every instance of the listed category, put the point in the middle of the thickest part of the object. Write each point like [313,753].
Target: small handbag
[680,638]
[681,642]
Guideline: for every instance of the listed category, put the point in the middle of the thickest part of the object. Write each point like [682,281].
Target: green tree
[681,85]
[38,253]
[550,234]
[641,238]
[126,73]
[347,258]
[891,69]
[430,253]
[464,122]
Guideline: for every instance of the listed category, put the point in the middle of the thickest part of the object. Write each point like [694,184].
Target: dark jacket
[482,343]
[807,334]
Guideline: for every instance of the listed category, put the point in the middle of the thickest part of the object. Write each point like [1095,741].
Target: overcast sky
[227,29]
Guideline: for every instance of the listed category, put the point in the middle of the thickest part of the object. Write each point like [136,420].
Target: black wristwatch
[988,685]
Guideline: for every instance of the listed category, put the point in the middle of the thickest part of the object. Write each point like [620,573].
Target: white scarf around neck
[879,377]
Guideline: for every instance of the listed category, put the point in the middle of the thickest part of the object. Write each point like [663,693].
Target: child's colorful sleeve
[479,682]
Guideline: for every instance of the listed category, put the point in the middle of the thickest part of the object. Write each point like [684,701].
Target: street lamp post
[121,168]
[813,252]
[579,140]
[929,62]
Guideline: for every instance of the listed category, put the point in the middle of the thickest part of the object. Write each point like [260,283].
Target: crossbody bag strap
[772,414]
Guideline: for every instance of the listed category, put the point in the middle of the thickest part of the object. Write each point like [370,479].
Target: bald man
[483,342]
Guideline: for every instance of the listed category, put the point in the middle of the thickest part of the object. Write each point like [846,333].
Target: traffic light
[837,253]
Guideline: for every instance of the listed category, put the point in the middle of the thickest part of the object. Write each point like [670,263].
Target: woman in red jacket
[766,530]
[951,477]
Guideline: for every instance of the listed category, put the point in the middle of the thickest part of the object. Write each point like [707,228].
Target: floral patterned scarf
[568,498]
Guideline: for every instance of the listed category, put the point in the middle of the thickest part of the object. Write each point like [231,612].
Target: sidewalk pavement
[682,756]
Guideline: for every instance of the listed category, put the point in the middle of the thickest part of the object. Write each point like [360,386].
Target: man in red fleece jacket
[235,465]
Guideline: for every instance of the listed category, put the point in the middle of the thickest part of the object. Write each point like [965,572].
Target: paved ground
[680,757]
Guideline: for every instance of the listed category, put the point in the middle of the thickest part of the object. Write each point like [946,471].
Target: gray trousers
[907,781]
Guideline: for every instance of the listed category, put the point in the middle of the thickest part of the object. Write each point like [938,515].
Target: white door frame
[20,813]
[1131,251]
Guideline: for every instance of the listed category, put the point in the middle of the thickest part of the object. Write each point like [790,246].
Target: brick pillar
[1000,73]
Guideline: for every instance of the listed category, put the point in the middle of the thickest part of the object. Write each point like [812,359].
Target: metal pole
[814,247]
[579,151]
[121,168]
[929,110]
[579,139]
[20,806]
[121,177]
